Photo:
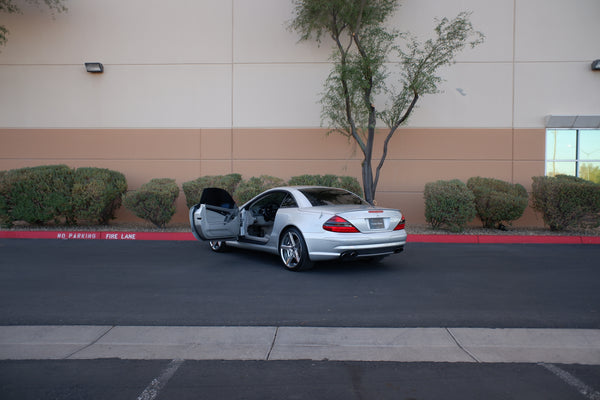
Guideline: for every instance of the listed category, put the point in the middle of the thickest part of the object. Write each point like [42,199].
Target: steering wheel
[269,211]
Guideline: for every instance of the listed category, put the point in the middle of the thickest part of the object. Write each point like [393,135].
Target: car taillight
[400,225]
[339,224]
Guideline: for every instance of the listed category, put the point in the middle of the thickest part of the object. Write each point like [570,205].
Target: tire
[218,246]
[293,251]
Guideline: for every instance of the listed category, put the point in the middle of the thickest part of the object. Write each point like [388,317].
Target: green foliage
[566,201]
[254,186]
[97,194]
[497,201]
[590,172]
[36,195]
[55,192]
[4,217]
[193,189]
[244,190]
[349,183]
[359,90]
[154,201]
[449,204]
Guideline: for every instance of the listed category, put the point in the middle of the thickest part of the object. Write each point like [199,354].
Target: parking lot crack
[460,346]
[90,344]
[272,343]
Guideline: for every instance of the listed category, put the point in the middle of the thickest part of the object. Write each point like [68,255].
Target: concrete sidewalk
[565,346]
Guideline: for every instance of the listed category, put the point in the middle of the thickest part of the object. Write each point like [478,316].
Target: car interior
[258,217]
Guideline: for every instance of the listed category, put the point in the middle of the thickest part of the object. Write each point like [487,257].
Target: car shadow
[354,266]
[259,259]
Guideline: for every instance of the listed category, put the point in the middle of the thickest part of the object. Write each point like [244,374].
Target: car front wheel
[293,251]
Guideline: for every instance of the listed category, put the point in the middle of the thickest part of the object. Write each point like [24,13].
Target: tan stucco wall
[233,64]
[224,87]
[416,156]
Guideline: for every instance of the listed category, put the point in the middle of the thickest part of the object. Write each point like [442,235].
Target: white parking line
[154,388]
[584,389]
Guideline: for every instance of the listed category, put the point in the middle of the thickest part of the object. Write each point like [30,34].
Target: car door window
[267,206]
[267,200]
[217,197]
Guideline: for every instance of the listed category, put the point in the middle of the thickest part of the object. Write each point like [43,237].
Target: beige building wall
[205,87]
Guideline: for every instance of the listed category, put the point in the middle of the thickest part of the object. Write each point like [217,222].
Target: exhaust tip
[349,254]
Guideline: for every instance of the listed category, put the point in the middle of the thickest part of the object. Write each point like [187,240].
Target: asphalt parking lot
[436,317]
[136,379]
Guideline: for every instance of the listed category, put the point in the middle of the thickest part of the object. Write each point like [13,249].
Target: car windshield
[330,197]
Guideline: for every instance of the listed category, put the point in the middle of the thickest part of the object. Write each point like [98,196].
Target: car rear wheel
[218,246]
[293,251]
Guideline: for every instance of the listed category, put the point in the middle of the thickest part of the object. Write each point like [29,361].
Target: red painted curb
[468,239]
[504,239]
[442,238]
[88,235]
[590,239]
[530,239]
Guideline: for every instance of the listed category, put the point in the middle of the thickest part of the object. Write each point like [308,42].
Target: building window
[573,152]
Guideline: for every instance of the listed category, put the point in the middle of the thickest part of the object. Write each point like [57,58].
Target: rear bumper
[384,251]
[330,245]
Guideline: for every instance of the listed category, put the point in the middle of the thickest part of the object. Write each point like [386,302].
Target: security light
[596,65]
[94,67]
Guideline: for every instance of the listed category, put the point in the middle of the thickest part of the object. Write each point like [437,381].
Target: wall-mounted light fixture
[596,65]
[94,67]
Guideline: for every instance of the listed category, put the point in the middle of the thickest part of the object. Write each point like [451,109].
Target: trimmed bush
[349,183]
[4,218]
[193,189]
[449,204]
[246,190]
[154,201]
[36,194]
[497,201]
[97,194]
[566,201]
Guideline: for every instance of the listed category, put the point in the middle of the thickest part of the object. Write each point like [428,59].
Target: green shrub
[4,218]
[246,190]
[497,201]
[97,194]
[154,201]
[36,194]
[449,204]
[349,183]
[193,189]
[566,201]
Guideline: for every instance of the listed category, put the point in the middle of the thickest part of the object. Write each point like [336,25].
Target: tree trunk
[367,177]
[367,168]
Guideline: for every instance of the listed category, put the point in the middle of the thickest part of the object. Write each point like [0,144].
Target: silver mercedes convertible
[302,224]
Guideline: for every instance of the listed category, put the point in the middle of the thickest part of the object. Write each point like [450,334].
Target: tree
[590,172]
[361,48]
[9,6]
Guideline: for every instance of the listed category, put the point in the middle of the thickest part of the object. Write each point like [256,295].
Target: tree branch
[390,134]
[348,106]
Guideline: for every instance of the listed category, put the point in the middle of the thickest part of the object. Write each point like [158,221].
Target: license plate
[376,223]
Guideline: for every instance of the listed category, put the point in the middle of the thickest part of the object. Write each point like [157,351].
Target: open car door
[216,217]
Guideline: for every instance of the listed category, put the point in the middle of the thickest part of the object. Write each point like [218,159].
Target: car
[302,224]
